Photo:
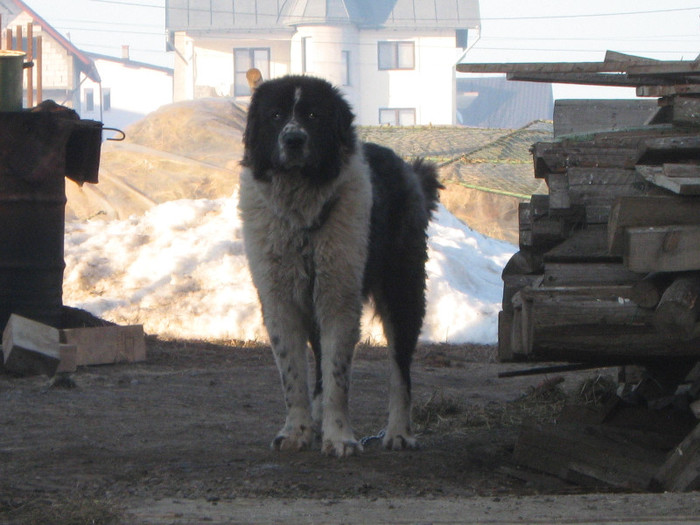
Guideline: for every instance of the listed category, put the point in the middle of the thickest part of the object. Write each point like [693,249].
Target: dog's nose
[294,138]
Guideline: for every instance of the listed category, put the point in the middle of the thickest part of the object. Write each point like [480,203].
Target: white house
[393,59]
[127,91]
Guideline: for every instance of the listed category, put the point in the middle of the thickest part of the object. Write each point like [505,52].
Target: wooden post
[30,70]
[39,71]
[18,38]
[0,31]
[8,38]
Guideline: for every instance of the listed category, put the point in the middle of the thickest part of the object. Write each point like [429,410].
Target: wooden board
[30,347]
[106,344]
[662,248]
[681,470]
[608,344]
[588,273]
[676,183]
[576,305]
[585,116]
[588,455]
[586,245]
[648,211]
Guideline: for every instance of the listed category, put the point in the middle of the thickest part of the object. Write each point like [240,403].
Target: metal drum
[32,215]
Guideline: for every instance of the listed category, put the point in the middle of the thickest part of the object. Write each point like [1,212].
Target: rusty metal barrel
[32,214]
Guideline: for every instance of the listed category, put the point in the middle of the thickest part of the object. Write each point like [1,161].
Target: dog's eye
[312,115]
[276,114]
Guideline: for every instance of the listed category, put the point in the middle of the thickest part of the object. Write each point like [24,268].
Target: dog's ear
[344,128]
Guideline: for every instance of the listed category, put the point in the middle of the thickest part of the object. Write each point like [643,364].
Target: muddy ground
[194,422]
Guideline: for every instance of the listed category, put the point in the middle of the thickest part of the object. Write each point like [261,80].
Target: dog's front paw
[338,439]
[293,439]
[341,449]
[398,441]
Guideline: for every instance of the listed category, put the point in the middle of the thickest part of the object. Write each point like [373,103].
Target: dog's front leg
[288,342]
[338,343]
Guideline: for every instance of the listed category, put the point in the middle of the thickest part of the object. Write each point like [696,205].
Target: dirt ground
[194,422]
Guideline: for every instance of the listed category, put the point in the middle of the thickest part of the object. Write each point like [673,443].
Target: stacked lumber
[608,273]
[608,270]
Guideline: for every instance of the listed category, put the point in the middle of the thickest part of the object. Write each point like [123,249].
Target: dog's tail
[428,175]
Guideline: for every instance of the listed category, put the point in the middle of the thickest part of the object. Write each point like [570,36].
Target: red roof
[85,63]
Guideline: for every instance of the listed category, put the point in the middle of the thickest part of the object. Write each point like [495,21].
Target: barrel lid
[11,53]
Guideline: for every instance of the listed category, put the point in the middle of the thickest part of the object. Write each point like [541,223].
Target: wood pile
[608,272]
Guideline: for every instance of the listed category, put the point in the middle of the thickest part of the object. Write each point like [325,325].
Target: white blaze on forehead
[297,94]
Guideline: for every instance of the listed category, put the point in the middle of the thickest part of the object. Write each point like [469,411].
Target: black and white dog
[328,221]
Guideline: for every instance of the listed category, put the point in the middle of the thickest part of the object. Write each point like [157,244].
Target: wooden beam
[648,211]
[681,470]
[30,347]
[662,248]
[677,184]
[106,344]
[677,312]
[30,70]
[590,455]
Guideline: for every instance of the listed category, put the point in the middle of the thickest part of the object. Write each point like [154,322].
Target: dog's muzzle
[293,144]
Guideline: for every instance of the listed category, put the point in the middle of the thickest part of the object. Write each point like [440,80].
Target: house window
[397,116]
[345,68]
[106,99]
[245,58]
[89,99]
[396,55]
[462,38]
[305,47]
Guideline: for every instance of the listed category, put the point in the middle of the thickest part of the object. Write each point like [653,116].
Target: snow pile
[180,270]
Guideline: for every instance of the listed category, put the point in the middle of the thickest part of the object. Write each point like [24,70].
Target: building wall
[324,46]
[429,88]
[129,101]
[204,67]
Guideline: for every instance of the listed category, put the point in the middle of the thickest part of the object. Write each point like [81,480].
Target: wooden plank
[686,111]
[669,149]
[551,308]
[505,328]
[107,344]
[512,284]
[677,184]
[591,79]
[539,67]
[69,362]
[647,292]
[681,470]
[588,455]
[677,312]
[587,245]
[585,116]
[588,273]
[648,211]
[559,199]
[30,347]
[682,170]
[662,248]
[668,90]
[548,157]
[609,344]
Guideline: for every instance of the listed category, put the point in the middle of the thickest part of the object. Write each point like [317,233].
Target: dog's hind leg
[317,397]
[401,306]
[289,345]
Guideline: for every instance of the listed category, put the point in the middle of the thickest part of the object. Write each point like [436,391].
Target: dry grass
[441,412]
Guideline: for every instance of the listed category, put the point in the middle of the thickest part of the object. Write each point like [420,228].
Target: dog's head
[300,124]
